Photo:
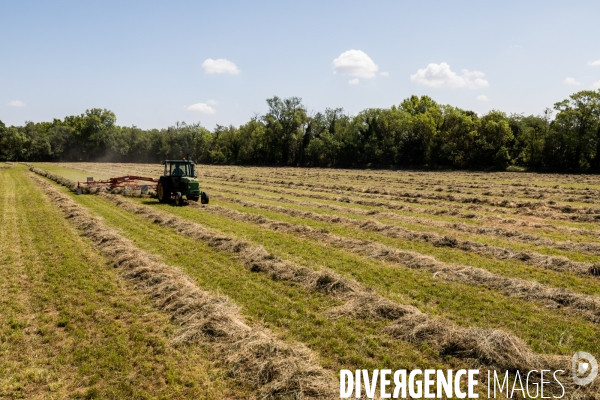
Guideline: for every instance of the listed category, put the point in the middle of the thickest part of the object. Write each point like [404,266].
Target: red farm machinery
[178,180]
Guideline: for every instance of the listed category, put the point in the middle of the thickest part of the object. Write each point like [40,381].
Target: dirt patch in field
[275,369]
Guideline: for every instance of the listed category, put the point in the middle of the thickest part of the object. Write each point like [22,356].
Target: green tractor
[178,180]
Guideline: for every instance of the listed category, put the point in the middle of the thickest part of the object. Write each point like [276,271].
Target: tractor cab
[179,168]
[179,180]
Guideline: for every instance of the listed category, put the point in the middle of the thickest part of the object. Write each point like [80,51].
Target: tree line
[418,132]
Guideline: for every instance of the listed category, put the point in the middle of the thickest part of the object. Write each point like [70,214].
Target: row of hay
[384,201]
[492,231]
[455,209]
[272,367]
[68,183]
[541,209]
[432,182]
[494,219]
[492,347]
[470,183]
[530,257]
[579,304]
[491,189]
[114,169]
[454,212]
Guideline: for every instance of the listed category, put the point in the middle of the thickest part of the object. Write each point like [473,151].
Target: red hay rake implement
[132,182]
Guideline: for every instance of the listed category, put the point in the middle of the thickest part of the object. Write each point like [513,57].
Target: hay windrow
[73,185]
[531,205]
[493,347]
[454,211]
[511,235]
[579,304]
[363,303]
[275,369]
[381,197]
[255,258]
[530,257]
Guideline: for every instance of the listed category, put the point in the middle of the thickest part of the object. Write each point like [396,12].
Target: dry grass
[469,213]
[585,305]
[511,235]
[530,257]
[490,347]
[363,303]
[275,369]
[381,196]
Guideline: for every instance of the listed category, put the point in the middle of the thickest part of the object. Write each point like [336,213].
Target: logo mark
[584,368]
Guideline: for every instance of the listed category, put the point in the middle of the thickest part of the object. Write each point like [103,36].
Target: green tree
[253,141]
[15,144]
[578,120]
[285,122]
[454,145]
[530,135]
[493,140]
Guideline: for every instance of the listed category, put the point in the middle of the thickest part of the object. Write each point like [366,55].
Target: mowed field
[288,276]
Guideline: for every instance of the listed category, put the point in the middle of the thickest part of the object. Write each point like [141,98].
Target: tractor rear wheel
[204,198]
[163,193]
[178,199]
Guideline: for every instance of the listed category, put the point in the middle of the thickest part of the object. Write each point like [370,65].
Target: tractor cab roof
[177,161]
[179,168]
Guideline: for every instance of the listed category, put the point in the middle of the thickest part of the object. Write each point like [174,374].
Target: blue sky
[147,61]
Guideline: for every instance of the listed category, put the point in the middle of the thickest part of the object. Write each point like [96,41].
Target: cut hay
[516,206]
[530,257]
[359,301]
[255,258]
[492,347]
[273,368]
[494,219]
[382,197]
[580,304]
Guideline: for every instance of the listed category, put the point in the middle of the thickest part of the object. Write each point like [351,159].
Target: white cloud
[16,103]
[202,108]
[438,75]
[571,81]
[385,73]
[212,102]
[355,63]
[596,85]
[594,63]
[353,81]
[482,97]
[220,66]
